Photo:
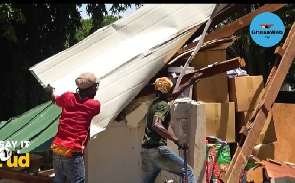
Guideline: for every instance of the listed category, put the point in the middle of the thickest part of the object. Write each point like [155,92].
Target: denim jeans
[162,158]
[71,168]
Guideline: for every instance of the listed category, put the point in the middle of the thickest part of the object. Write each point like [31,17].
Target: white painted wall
[114,156]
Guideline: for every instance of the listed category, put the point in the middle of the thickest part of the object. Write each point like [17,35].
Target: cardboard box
[268,133]
[264,151]
[203,59]
[246,92]
[213,89]
[220,121]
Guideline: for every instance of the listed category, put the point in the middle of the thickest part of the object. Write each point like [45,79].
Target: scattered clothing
[236,72]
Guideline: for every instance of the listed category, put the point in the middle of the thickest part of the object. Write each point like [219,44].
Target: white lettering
[25,143]
[14,143]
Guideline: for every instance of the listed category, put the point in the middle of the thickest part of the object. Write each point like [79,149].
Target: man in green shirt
[155,154]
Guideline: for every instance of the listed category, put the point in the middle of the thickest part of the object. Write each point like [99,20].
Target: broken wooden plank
[23,177]
[220,17]
[286,43]
[255,175]
[257,108]
[274,86]
[207,72]
[274,68]
[270,169]
[236,25]
[276,169]
[213,70]
[279,51]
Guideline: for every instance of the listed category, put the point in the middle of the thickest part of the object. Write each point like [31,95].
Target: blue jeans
[71,168]
[162,158]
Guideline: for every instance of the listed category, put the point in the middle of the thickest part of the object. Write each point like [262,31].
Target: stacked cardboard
[213,91]
[230,103]
[246,92]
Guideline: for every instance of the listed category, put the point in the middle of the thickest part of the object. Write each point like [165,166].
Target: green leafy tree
[8,15]
[259,60]
[109,19]
[87,25]
[32,33]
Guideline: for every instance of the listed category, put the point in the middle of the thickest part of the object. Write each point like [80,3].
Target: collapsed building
[223,110]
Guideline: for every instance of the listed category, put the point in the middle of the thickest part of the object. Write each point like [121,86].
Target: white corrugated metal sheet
[126,54]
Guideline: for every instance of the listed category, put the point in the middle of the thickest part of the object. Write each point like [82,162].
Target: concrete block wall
[114,156]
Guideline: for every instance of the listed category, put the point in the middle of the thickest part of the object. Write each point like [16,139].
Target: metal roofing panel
[135,47]
[38,125]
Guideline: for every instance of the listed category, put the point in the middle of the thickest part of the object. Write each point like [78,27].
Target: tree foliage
[87,25]
[31,33]
[8,15]
[260,60]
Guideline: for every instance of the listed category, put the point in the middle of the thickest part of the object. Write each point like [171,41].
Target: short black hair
[84,93]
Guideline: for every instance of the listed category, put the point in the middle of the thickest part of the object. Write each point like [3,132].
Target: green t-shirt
[161,109]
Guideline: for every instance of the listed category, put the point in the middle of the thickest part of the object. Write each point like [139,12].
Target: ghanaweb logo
[266,26]
[267,29]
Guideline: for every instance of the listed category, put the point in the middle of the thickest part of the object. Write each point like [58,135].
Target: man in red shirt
[72,135]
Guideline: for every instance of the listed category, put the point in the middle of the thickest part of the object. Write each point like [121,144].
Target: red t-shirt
[74,123]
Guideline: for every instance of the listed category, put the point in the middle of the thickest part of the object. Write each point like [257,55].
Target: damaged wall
[114,156]
[135,111]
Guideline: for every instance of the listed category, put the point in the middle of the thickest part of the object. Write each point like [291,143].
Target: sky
[85,16]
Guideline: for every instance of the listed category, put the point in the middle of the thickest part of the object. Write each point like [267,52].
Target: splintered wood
[267,86]
[271,91]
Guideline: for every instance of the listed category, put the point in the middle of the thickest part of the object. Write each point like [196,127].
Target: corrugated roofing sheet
[38,125]
[135,47]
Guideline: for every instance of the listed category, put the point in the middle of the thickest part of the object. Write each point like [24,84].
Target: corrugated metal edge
[36,77]
[35,146]
[22,115]
[39,144]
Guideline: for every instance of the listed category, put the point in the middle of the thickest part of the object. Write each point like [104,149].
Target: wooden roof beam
[236,25]
[244,151]
[221,16]
[206,71]
[24,177]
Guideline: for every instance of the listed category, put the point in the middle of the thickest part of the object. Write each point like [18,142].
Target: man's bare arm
[161,130]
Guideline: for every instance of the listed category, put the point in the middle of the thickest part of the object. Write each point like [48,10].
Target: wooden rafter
[235,25]
[221,16]
[271,90]
[23,177]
